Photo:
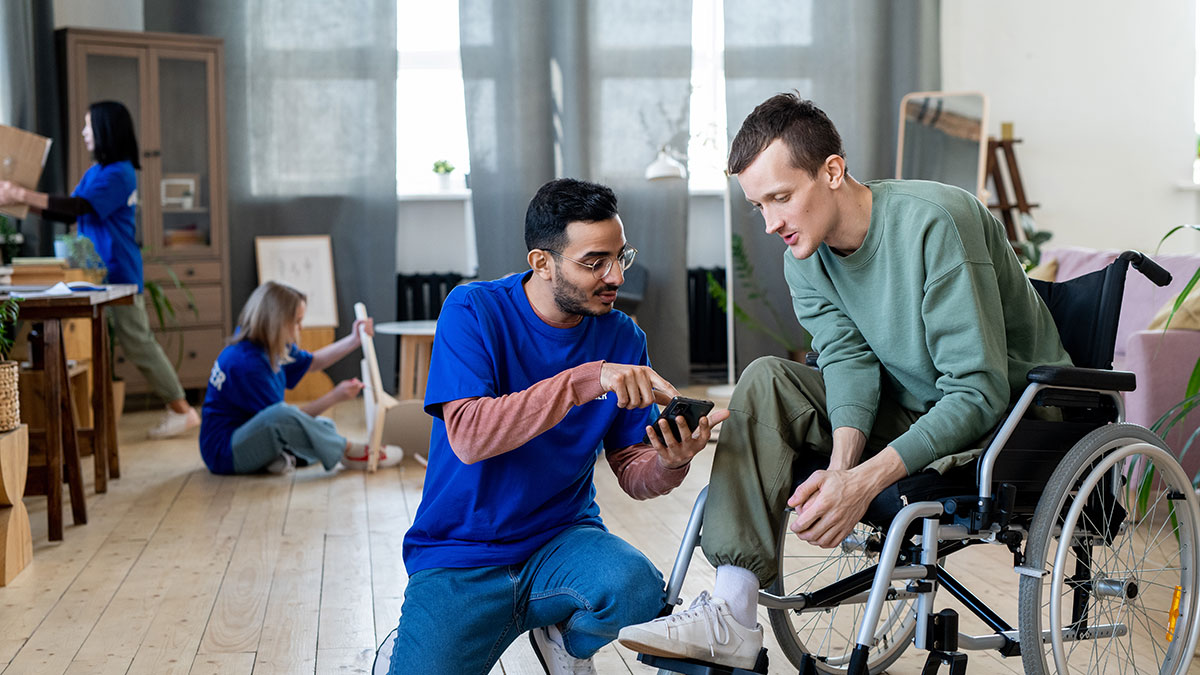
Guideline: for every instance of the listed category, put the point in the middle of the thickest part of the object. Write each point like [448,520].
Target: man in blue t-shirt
[531,376]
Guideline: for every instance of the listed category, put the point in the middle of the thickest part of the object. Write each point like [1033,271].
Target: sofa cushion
[1187,317]
[1142,298]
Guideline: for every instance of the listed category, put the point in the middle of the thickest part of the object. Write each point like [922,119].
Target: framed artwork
[306,264]
[180,190]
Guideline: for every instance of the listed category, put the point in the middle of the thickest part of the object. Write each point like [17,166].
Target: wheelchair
[1099,517]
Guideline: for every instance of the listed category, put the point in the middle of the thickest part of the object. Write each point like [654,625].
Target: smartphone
[692,409]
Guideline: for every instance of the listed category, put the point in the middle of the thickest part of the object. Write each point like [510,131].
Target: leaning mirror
[942,138]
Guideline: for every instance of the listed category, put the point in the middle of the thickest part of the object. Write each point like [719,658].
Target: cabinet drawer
[194,272]
[208,309]
[200,349]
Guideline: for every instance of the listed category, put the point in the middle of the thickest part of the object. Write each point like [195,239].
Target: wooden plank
[237,617]
[331,661]
[239,663]
[289,635]
[346,620]
[51,649]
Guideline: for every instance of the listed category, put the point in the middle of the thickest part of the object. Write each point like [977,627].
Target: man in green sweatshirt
[925,324]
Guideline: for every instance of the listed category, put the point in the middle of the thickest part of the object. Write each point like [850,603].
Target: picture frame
[306,264]
[180,190]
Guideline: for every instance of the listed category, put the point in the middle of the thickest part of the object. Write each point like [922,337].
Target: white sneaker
[284,464]
[357,457]
[705,632]
[173,423]
[548,645]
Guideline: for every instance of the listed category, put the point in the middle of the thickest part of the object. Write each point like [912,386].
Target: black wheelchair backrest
[1086,309]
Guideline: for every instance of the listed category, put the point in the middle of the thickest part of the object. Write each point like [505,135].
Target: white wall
[105,14]
[1101,92]
[436,234]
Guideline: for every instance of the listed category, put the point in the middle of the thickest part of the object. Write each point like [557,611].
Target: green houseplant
[777,329]
[10,402]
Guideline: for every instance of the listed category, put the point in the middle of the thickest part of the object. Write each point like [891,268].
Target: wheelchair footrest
[956,660]
[693,667]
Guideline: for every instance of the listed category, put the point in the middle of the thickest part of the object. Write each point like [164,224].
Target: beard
[571,299]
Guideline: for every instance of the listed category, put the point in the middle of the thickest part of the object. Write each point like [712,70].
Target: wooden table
[61,440]
[416,348]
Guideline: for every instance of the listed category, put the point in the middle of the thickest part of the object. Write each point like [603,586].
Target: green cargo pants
[131,330]
[777,416]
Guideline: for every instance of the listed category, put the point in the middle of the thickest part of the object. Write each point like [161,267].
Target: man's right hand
[635,386]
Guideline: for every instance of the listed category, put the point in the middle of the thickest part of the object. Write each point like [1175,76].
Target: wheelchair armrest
[1084,378]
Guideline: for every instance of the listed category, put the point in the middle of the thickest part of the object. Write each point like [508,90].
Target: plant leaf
[1183,295]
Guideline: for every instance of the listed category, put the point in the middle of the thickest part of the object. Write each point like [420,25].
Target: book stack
[6,274]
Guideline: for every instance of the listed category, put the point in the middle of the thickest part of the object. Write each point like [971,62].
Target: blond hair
[267,319]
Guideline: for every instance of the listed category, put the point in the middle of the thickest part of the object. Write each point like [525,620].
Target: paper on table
[57,289]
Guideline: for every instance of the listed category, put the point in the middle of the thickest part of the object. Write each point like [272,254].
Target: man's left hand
[676,453]
[828,505]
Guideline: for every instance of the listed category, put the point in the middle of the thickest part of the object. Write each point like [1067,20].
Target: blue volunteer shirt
[489,343]
[240,386]
[112,192]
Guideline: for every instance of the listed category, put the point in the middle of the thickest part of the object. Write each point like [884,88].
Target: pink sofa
[1162,361]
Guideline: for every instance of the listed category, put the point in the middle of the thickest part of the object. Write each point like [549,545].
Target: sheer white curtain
[310,91]
[588,90]
[855,60]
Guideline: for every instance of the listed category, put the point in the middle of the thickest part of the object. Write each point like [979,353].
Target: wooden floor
[180,571]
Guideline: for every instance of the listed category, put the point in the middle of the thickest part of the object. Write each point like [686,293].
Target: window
[431,119]
[707,144]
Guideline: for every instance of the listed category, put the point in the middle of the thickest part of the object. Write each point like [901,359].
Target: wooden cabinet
[173,88]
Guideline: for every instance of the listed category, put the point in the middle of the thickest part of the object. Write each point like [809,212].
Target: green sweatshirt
[933,309]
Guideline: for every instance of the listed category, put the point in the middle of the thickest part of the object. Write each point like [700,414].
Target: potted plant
[778,330]
[443,169]
[10,402]
[10,240]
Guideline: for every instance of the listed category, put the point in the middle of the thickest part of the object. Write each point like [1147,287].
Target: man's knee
[767,376]
[634,589]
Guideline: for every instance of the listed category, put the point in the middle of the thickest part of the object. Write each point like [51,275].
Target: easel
[1021,205]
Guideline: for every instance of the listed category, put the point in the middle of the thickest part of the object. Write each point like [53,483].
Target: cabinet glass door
[113,74]
[184,189]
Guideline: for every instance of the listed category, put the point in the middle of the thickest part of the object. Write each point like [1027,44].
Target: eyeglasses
[602,266]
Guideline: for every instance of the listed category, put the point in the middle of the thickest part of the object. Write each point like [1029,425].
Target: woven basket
[10,403]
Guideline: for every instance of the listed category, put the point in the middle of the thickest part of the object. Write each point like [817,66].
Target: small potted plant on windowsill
[443,169]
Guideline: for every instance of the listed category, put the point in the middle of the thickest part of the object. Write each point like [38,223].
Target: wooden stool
[416,348]
[16,540]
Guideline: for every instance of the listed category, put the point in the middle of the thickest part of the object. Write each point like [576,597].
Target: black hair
[112,134]
[564,201]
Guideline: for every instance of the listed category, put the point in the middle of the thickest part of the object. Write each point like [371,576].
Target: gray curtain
[310,91]
[855,60]
[588,90]
[29,99]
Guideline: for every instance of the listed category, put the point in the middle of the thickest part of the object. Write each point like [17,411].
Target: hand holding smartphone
[692,409]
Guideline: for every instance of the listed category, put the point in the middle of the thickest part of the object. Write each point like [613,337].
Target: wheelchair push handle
[1150,269]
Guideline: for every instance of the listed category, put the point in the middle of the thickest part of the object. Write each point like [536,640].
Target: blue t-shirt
[240,386]
[489,343]
[112,191]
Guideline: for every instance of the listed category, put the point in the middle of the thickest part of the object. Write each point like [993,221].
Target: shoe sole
[644,648]
[538,653]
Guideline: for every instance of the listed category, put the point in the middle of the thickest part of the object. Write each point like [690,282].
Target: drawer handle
[190,272]
[192,355]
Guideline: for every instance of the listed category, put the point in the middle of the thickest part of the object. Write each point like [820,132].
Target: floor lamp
[665,167]
[726,390]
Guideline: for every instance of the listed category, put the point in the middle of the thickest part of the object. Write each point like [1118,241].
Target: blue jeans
[588,581]
[282,427]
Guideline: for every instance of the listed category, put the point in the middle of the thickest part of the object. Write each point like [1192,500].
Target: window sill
[446,196]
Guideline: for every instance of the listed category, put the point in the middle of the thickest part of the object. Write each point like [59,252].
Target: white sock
[738,587]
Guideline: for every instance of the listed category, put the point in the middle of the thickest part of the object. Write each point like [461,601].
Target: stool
[416,349]
[16,540]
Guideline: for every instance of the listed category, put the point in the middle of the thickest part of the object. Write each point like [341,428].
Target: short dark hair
[564,201]
[806,130]
[112,132]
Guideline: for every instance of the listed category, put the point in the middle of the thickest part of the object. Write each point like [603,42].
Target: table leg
[70,440]
[101,409]
[52,356]
[424,352]
[408,358]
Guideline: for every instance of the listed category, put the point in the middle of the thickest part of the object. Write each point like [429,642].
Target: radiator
[707,321]
[419,297]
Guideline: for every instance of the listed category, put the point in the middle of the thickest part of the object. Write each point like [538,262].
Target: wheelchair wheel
[828,635]
[1115,535]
